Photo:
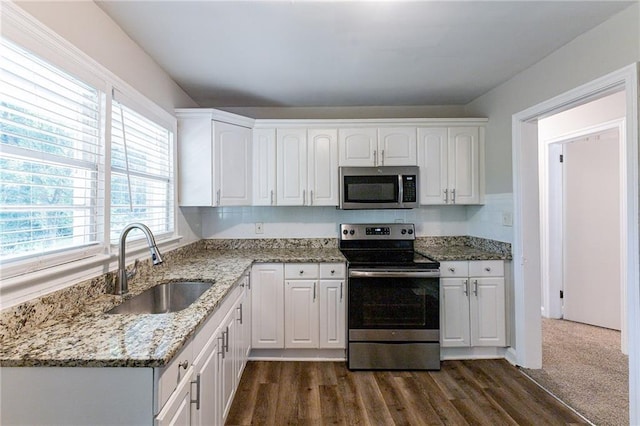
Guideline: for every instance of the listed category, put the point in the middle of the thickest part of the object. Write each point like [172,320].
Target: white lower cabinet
[309,299]
[472,304]
[205,391]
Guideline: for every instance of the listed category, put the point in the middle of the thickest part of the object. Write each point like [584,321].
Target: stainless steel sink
[163,298]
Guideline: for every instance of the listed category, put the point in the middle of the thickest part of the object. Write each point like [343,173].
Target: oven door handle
[377,273]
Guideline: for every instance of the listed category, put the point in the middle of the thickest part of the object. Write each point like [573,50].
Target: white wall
[87,27]
[323,222]
[606,48]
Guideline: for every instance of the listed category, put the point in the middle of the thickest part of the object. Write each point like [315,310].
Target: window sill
[21,288]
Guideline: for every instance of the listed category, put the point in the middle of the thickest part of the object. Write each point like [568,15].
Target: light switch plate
[507,219]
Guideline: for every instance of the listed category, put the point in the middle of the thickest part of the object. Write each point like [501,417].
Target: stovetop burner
[382,245]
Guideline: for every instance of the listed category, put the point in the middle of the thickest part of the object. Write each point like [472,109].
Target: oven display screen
[378,231]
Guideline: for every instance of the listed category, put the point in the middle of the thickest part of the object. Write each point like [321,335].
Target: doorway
[591,229]
[528,248]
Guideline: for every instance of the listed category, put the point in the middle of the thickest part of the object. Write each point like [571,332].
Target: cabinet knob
[184,364]
[452,269]
[488,269]
[333,271]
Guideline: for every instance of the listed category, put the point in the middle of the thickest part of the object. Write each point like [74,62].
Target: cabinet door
[291,153]
[454,312]
[264,167]
[301,314]
[177,410]
[464,174]
[397,146]
[205,411]
[267,286]
[358,147]
[195,162]
[232,164]
[487,311]
[432,159]
[228,376]
[323,168]
[332,314]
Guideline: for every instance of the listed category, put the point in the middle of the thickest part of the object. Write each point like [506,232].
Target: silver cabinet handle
[240,310]
[475,287]
[314,291]
[311,197]
[341,290]
[218,197]
[249,281]
[272,197]
[453,196]
[226,346]
[197,400]
[466,287]
[375,157]
[382,156]
[446,196]
[304,197]
[221,345]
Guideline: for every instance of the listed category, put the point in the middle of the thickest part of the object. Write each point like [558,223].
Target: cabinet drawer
[486,268]
[300,270]
[332,270]
[174,372]
[454,269]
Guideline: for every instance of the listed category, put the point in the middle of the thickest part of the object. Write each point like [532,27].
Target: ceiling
[350,53]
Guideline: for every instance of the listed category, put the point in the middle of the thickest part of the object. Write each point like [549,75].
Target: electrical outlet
[507,219]
[259,228]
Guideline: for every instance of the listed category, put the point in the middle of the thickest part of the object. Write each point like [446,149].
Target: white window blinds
[141,172]
[49,157]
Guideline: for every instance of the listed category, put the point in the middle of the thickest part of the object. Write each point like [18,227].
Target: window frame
[24,278]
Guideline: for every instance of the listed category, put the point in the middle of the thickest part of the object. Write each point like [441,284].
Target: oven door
[394,305]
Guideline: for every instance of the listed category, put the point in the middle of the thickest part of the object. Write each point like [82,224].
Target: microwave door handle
[401,191]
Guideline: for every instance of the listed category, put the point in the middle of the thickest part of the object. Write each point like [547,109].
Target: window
[49,157]
[56,185]
[141,173]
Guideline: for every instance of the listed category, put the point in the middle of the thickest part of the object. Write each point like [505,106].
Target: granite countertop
[71,329]
[88,337]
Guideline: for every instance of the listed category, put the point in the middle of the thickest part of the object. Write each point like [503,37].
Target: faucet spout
[122,284]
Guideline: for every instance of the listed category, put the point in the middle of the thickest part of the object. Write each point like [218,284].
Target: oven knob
[352,232]
[345,232]
[404,231]
[410,231]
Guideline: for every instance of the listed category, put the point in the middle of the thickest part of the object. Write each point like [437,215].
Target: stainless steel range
[393,299]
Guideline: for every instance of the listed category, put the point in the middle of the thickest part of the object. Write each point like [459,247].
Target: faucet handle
[132,273]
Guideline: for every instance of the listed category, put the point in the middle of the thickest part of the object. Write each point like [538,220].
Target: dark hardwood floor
[479,392]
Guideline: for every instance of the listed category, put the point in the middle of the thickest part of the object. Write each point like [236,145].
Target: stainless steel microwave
[383,187]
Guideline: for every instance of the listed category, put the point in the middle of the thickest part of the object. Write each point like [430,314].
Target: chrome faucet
[122,284]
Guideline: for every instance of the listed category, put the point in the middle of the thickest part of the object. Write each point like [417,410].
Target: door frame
[527,236]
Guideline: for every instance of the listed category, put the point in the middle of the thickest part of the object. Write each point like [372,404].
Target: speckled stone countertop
[83,335]
[69,328]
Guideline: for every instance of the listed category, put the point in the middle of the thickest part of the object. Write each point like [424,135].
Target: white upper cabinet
[322,167]
[264,167]
[358,147]
[233,164]
[307,167]
[397,146]
[214,160]
[450,161]
[384,146]
[291,154]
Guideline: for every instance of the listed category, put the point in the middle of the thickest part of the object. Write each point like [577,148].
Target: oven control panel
[389,231]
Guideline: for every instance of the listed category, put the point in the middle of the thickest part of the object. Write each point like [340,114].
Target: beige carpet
[582,365]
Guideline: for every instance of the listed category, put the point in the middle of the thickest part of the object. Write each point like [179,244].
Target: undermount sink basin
[163,298]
